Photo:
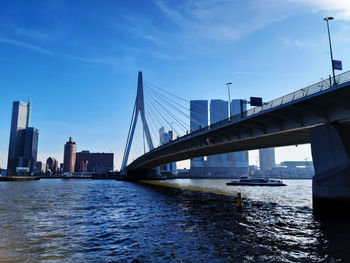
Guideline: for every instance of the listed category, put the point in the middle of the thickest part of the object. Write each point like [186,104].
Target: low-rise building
[94,162]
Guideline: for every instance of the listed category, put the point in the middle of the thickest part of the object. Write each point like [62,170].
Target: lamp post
[330,46]
[229,99]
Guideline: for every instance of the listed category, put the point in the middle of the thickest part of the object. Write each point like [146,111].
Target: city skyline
[79,83]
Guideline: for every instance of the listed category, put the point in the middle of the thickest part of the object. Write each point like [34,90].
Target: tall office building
[198,119]
[267,158]
[240,159]
[69,156]
[218,112]
[165,137]
[31,139]
[198,114]
[23,144]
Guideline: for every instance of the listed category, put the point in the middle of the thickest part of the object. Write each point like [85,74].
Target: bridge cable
[178,110]
[169,113]
[172,100]
[152,124]
[162,116]
[184,114]
[207,109]
[156,107]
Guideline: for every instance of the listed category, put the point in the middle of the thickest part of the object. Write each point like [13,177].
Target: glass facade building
[23,140]
[198,114]
[218,112]
[198,119]
[31,139]
[240,159]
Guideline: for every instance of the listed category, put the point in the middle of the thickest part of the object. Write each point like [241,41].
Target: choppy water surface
[101,221]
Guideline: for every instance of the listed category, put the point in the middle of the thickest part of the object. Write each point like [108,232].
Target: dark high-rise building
[69,156]
[55,167]
[94,162]
[51,165]
[30,148]
[23,146]
[40,167]
[19,122]
[198,120]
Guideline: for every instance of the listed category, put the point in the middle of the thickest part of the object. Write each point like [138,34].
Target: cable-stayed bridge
[318,114]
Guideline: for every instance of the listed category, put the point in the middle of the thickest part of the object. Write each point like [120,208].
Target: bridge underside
[296,137]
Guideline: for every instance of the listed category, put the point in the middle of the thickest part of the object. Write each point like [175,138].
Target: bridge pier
[330,145]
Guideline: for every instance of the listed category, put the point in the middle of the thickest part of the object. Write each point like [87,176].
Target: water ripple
[110,221]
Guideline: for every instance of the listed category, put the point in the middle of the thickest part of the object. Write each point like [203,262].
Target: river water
[177,221]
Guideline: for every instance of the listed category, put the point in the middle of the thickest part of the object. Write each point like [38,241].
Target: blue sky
[78,60]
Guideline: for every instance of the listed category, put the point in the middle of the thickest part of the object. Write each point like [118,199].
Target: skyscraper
[267,158]
[218,112]
[23,144]
[69,156]
[31,138]
[198,114]
[198,119]
[240,159]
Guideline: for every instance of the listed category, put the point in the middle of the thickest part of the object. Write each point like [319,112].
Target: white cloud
[27,45]
[223,19]
[232,20]
[340,9]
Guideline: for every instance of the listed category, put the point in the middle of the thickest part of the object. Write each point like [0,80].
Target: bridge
[318,114]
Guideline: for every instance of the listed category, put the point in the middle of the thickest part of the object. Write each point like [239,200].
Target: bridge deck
[284,121]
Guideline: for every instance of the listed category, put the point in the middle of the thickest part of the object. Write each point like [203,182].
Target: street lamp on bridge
[229,99]
[335,63]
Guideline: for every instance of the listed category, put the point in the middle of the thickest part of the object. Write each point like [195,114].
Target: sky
[77,61]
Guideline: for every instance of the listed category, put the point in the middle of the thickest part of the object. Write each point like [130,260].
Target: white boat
[245,180]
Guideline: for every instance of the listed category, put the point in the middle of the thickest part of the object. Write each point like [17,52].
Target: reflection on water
[296,193]
[95,221]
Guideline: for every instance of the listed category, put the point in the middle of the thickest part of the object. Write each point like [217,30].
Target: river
[178,221]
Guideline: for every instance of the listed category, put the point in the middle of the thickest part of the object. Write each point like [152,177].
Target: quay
[18,178]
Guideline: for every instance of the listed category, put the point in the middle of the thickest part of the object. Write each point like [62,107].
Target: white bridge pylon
[139,108]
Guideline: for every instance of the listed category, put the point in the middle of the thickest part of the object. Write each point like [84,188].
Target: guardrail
[312,89]
[317,87]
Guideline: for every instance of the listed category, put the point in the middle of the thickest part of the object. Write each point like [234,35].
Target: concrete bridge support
[330,146]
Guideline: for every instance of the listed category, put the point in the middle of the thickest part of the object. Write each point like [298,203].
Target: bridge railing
[312,89]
